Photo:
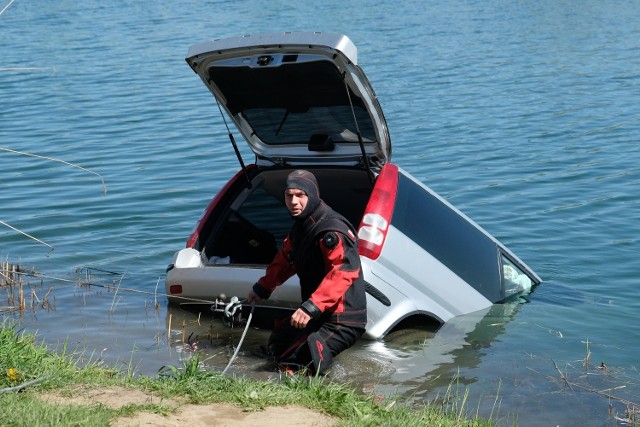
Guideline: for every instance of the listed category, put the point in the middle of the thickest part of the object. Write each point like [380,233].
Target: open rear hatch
[296,98]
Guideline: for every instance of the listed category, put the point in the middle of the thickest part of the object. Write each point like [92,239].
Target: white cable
[246,328]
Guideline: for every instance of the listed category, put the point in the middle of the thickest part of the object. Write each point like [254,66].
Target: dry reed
[12,284]
[584,382]
[11,281]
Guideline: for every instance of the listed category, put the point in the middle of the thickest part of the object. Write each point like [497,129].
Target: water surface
[524,115]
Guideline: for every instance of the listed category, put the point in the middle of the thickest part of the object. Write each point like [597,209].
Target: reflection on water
[415,357]
[424,360]
[197,329]
[107,319]
[417,365]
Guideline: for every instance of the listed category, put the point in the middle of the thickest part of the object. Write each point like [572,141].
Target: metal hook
[231,308]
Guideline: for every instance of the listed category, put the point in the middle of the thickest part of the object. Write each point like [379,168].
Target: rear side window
[448,237]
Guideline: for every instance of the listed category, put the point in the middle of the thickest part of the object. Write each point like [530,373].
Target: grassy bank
[24,361]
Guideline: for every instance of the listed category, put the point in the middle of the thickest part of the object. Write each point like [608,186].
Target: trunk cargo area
[248,224]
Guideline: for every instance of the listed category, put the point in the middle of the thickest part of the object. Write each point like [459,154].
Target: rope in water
[246,328]
[111,287]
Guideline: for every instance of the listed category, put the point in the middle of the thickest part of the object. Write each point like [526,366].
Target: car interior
[252,224]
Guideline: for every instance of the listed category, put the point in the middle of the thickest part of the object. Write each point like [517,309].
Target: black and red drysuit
[322,250]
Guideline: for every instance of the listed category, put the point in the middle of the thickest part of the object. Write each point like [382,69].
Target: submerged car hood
[296,97]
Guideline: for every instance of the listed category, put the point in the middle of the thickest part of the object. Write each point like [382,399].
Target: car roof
[296,97]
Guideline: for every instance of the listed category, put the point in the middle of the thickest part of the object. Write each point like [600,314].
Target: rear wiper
[284,118]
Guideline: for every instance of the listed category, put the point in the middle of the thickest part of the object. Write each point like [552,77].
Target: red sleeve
[280,268]
[340,275]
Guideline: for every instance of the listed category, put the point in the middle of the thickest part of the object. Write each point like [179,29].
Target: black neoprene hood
[305,181]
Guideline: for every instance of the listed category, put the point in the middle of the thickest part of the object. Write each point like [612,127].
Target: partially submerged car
[301,102]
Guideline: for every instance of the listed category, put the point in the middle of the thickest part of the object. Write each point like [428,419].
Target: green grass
[22,360]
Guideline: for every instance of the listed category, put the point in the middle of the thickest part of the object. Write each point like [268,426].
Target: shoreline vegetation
[39,387]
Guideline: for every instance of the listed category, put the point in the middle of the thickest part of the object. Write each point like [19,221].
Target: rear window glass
[291,103]
[452,240]
[280,126]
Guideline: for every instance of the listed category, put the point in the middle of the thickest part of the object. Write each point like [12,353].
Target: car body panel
[421,257]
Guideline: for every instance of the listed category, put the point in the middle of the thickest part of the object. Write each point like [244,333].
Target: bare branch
[562,375]
[28,235]
[6,7]
[104,186]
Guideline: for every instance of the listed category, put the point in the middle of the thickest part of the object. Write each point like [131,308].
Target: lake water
[525,115]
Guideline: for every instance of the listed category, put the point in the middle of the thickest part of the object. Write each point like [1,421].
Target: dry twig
[22,153]
[6,7]
[51,248]
[562,375]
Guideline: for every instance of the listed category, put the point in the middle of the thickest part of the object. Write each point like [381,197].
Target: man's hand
[299,319]
[253,297]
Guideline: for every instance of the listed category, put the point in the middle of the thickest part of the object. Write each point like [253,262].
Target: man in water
[322,249]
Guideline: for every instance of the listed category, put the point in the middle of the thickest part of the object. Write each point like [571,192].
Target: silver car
[301,101]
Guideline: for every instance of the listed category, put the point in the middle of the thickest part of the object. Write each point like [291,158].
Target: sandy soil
[217,414]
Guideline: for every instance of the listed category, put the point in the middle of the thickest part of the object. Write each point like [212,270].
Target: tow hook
[231,311]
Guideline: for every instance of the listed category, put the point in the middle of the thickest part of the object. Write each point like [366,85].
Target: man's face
[296,200]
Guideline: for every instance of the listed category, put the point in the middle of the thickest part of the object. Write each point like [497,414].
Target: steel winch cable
[244,333]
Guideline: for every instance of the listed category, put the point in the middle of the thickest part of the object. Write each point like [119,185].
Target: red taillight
[175,289]
[377,216]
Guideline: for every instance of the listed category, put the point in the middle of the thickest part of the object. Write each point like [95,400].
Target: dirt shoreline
[213,414]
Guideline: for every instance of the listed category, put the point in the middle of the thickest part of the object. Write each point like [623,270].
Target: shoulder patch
[330,239]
